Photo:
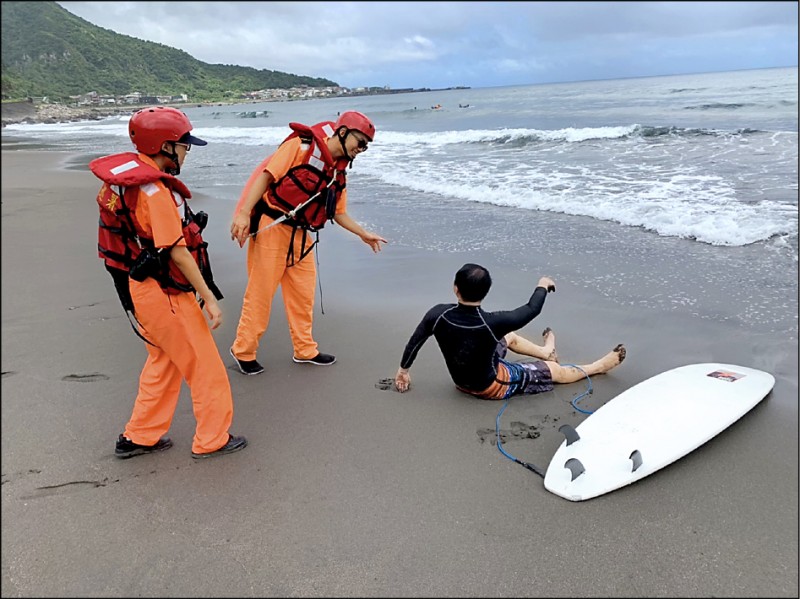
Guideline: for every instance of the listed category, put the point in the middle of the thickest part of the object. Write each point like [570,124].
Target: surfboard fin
[575,467]
[570,433]
[636,458]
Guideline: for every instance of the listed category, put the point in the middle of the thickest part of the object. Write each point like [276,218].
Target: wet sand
[347,489]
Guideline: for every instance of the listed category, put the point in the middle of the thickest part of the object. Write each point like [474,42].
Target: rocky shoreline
[25,112]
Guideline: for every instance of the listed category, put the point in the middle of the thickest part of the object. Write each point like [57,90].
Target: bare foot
[620,349]
[549,338]
[611,360]
[615,356]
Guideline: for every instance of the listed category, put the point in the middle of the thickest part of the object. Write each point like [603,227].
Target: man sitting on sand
[474,343]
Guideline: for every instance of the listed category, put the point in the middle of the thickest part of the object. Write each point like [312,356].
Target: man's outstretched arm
[504,322]
[402,380]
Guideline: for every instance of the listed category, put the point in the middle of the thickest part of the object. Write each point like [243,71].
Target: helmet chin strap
[172,170]
[342,141]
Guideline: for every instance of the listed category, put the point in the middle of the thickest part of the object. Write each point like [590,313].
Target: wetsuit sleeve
[420,336]
[507,321]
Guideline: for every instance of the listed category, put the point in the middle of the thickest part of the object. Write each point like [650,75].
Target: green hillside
[48,51]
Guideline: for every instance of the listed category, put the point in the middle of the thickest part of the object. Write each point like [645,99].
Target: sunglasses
[363,144]
[187,146]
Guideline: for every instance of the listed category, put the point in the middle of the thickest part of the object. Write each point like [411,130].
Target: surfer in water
[474,343]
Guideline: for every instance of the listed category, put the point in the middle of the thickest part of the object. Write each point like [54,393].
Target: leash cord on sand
[533,467]
[588,391]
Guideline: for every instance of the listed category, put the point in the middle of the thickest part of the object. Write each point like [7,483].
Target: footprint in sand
[85,378]
[518,430]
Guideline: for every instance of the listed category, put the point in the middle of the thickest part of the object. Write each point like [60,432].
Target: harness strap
[201,251]
[120,278]
[205,270]
[117,257]
[279,217]
[263,208]
[125,211]
[164,278]
[290,259]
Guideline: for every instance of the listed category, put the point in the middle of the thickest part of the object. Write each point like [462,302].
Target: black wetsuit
[468,337]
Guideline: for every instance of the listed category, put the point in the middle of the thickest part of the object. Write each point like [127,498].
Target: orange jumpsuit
[184,347]
[267,269]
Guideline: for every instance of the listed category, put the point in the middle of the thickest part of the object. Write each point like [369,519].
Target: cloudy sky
[476,44]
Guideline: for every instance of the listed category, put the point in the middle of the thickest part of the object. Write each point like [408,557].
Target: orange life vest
[121,239]
[308,193]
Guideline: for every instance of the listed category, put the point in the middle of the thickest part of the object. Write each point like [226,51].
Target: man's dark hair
[473,282]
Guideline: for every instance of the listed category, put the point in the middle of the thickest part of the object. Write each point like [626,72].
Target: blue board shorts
[516,378]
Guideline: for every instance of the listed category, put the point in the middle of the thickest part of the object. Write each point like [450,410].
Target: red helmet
[358,122]
[151,127]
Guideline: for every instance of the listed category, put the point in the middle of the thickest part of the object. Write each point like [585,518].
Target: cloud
[439,44]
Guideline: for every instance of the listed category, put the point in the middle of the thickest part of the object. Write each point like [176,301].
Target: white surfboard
[651,425]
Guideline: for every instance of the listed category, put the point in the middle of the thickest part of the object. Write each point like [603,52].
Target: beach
[347,489]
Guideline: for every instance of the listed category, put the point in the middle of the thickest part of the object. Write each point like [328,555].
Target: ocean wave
[683,201]
[517,138]
[726,224]
[719,106]
[261,134]
[245,114]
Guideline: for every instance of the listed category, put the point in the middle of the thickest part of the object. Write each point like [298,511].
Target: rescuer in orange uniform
[288,198]
[164,289]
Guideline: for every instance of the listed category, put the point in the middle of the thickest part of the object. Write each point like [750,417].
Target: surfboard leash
[574,402]
[588,391]
[531,467]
